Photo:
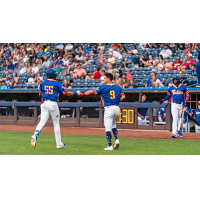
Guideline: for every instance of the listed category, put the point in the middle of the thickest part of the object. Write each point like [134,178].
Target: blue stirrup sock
[37,134]
[109,137]
[115,133]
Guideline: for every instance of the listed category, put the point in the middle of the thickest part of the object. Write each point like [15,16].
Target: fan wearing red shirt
[96,75]
[190,61]
[176,64]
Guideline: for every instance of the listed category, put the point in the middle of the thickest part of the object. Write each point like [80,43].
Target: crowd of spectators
[90,62]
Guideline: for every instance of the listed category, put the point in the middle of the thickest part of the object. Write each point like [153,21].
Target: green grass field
[18,143]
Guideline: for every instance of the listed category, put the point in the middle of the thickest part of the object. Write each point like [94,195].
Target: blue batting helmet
[177,78]
[51,73]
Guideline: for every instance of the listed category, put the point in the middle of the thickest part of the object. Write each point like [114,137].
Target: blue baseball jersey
[160,113]
[110,94]
[185,116]
[197,113]
[178,93]
[50,90]
[142,111]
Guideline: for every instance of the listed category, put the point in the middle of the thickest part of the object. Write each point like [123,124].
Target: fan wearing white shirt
[35,69]
[102,76]
[156,82]
[166,52]
[69,47]
[134,50]
[117,55]
[31,80]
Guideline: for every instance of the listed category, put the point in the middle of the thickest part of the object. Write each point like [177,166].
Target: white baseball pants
[185,127]
[51,108]
[110,116]
[176,110]
[197,128]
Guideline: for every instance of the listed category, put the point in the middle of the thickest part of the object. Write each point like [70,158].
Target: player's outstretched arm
[122,97]
[88,92]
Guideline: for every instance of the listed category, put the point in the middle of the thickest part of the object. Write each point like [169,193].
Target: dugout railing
[123,105]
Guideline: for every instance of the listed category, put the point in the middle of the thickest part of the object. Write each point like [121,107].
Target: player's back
[50,90]
[110,94]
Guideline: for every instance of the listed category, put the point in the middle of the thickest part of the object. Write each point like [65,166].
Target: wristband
[74,93]
[83,93]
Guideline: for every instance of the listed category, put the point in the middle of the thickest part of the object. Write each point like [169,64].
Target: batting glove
[161,101]
[184,103]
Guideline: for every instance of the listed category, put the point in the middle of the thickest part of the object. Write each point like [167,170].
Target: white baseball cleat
[109,148]
[63,145]
[116,146]
[33,142]
[174,136]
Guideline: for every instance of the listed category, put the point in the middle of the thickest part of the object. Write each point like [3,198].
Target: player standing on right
[111,95]
[177,91]
[197,117]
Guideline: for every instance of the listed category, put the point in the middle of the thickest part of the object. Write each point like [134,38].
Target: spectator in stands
[168,64]
[142,61]
[91,61]
[125,81]
[28,68]
[79,57]
[17,68]
[182,78]
[102,76]
[142,111]
[31,80]
[195,46]
[149,82]
[35,68]
[15,61]
[48,52]
[69,47]
[67,85]
[63,72]
[46,62]
[101,67]
[132,84]
[187,50]
[23,69]
[10,66]
[71,68]
[96,75]
[130,59]
[79,73]
[141,45]
[160,63]
[57,68]
[38,78]
[60,46]
[101,47]
[87,49]
[193,72]
[101,59]
[166,52]
[148,45]
[60,62]
[151,62]
[3,86]
[70,60]
[184,65]
[111,70]
[176,64]
[116,55]
[25,58]
[134,50]
[111,59]
[190,61]
[128,74]
[156,82]
[11,84]
[117,80]
[174,46]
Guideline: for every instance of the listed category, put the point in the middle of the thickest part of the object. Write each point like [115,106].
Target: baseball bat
[180,124]
[192,118]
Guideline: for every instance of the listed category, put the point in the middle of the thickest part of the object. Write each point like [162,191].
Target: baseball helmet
[177,78]
[51,73]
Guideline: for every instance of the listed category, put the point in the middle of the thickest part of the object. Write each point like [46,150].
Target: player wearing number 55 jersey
[111,95]
[50,90]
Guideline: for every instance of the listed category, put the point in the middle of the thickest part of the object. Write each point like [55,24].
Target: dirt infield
[149,134]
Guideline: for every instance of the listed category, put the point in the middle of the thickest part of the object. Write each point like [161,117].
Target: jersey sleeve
[169,93]
[40,90]
[61,89]
[98,90]
[121,92]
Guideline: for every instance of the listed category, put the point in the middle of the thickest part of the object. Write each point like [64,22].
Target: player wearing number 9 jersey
[50,90]
[111,95]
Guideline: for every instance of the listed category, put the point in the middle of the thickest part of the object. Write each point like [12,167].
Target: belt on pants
[109,106]
[178,102]
[50,100]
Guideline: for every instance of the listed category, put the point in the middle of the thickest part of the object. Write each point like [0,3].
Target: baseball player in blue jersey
[186,125]
[198,69]
[161,114]
[50,90]
[177,91]
[197,117]
[111,95]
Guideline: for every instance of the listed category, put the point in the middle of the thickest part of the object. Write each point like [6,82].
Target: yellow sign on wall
[126,116]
